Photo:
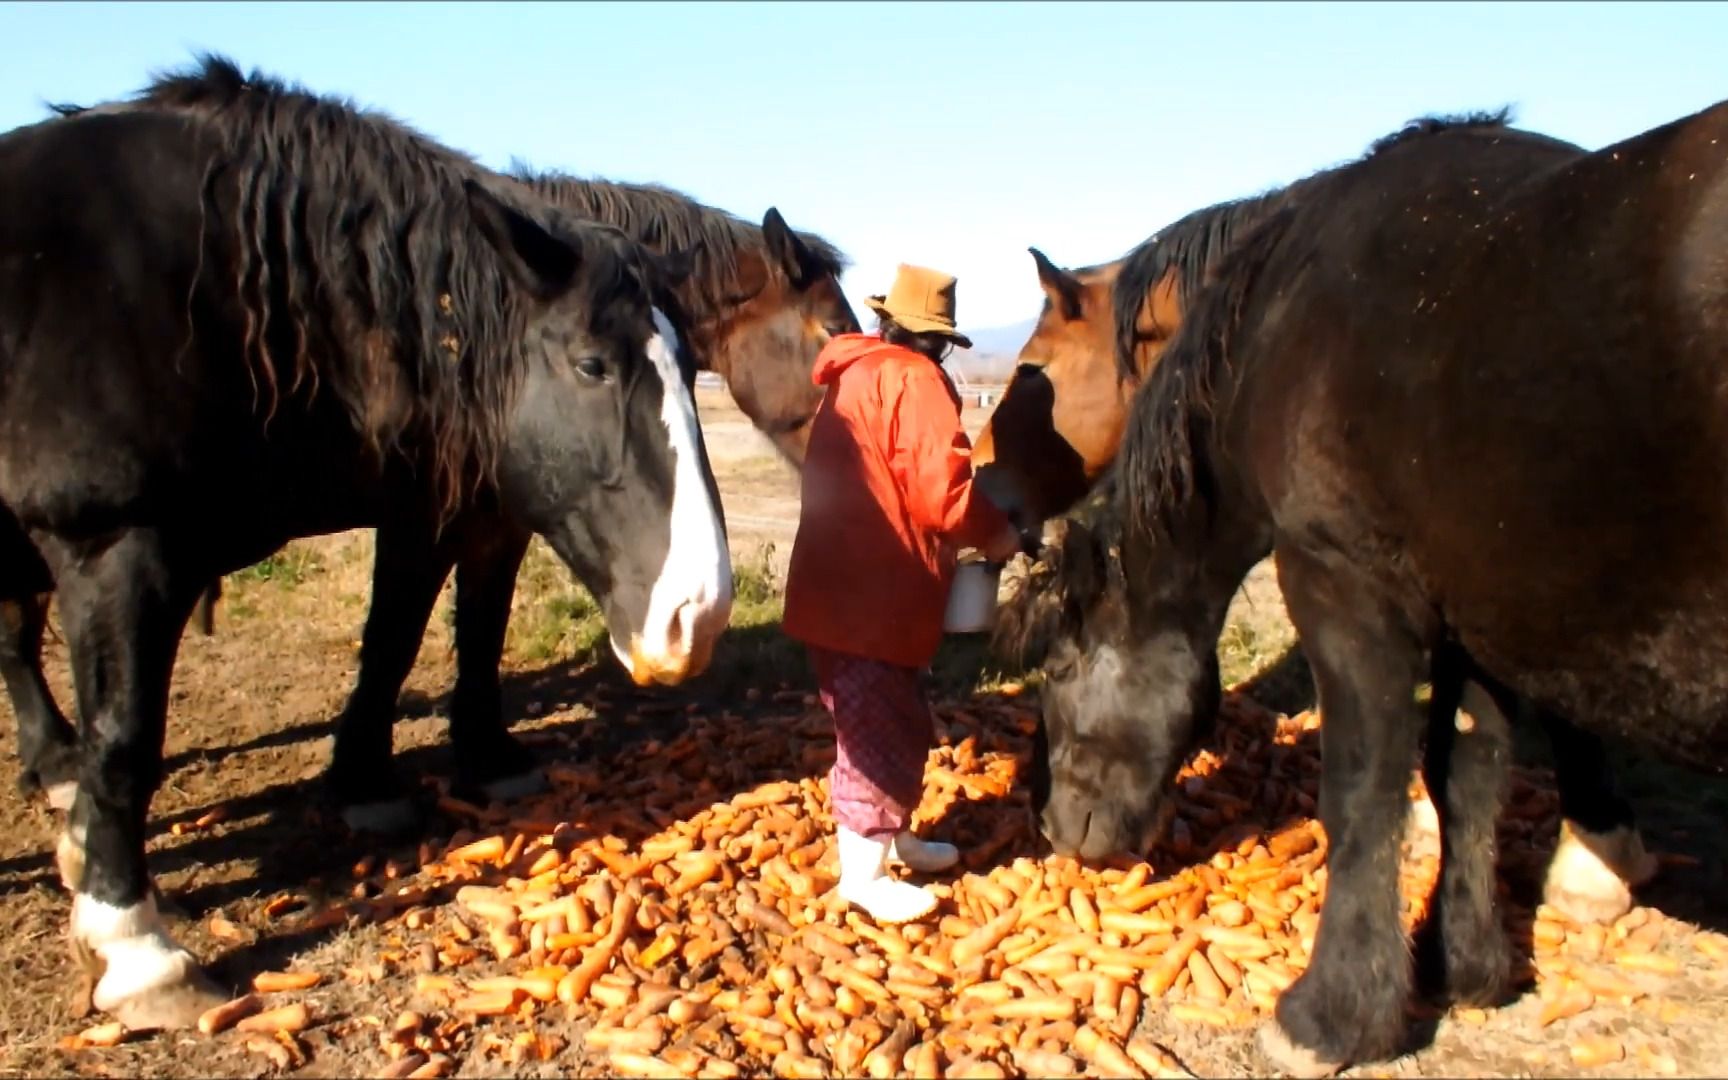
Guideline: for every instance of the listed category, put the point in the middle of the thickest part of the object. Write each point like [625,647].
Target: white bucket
[972,598]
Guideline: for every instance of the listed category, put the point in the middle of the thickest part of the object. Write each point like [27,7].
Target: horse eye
[592,367]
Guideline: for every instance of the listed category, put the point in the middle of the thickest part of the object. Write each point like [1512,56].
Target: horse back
[124,391]
[1504,394]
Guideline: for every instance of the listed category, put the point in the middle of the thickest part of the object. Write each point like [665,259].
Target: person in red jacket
[887,503]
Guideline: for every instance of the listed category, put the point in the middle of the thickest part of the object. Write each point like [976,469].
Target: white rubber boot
[865,883]
[923,856]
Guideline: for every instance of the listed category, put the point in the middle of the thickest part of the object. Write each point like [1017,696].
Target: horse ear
[1060,286]
[675,267]
[533,257]
[785,246]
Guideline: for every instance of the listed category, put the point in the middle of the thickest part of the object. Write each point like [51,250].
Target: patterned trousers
[882,736]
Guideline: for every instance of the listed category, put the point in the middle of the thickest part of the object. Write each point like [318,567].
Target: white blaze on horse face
[137,953]
[691,600]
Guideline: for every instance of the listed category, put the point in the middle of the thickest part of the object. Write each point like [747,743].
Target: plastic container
[972,597]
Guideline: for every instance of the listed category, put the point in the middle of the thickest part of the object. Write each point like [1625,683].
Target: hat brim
[918,324]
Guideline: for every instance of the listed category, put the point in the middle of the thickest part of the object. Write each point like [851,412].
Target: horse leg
[47,744]
[1462,950]
[123,616]
[1349,1004]
[409,569]
[1600,857]
[490,762]
[204,612]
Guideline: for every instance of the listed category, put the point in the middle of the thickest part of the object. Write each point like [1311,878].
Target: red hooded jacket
[888,501]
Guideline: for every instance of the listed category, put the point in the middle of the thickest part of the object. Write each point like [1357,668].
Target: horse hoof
[168,1007]
[60,796]
[392,817]
[523,786]
[1591,876]
[69,860]
[1293,1060]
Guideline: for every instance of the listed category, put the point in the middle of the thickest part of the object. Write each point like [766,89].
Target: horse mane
[1158,469]
[667,220]
[1423,126]
[355,251]
[1192,245]
[1188,247]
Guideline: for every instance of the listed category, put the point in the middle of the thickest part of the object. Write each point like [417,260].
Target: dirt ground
[249,728]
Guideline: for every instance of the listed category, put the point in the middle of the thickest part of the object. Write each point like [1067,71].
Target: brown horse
[1060,419]
[1060,423]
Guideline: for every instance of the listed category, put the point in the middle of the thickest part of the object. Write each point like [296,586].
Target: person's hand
[1003,546]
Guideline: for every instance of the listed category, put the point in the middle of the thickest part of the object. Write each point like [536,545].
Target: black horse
[1473,405]
[758,304]
[262,315]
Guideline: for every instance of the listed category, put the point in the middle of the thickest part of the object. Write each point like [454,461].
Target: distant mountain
[991,357]
[1002,340]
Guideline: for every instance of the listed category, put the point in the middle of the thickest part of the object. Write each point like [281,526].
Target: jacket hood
[843,351]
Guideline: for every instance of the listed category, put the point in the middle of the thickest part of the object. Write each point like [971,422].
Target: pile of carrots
[681,915]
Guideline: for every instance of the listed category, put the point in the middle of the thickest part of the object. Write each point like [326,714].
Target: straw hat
[921,300]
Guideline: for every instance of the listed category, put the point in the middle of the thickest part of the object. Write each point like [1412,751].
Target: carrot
[1103,1053]
[921,1062]
[1140,899]
[226,1015]
[1191,1013]
[295,1017]
[1085,915]
[652,1001]
[1133,924]
[1207,984]
[635,1064]
[1106,992]
[766,917]
[102,1035]
[983,939]
[888,1057]
[484,850]
[574,987]
[701,869]
[1047,1007]
[650,957]
[270,982]
[1127,1012]
[1034,1062]
[1569,1002]
[1651,963]
[1170,966]
[1156,1060]
[647,1039]
[1600,1050]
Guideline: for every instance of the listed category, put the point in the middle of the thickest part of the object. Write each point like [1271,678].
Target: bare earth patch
[235,828]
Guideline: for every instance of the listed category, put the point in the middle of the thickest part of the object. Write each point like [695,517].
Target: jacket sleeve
[931,458]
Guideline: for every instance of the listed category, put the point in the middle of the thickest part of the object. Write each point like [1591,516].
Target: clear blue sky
[947,134]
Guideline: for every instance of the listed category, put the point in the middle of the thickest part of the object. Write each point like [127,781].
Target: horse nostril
[678,633]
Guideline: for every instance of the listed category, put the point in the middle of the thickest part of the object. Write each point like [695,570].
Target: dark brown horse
[1059,426]
[314,319]
[1468,391]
